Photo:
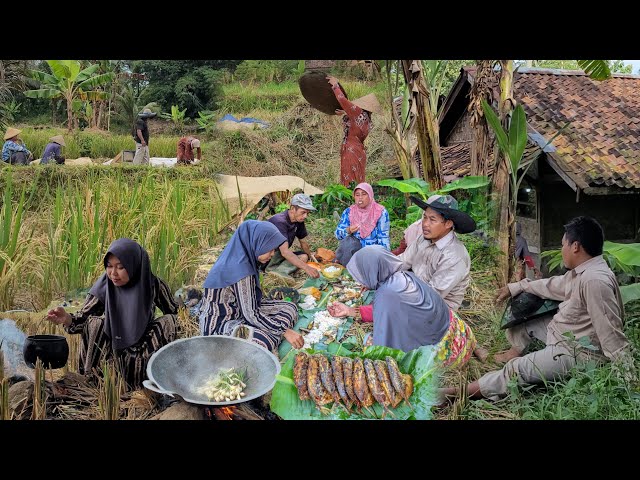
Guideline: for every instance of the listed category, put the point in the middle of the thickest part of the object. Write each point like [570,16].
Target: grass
[66,228]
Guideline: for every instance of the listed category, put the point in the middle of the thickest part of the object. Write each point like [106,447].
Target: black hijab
[128,309]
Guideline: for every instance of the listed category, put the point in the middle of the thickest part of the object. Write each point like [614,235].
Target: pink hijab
[366,217]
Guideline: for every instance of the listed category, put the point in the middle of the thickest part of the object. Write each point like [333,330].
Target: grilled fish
[385,383]
[409,388]
[319,395]
[300,366]
[374,384]
[326,376]
[338,376]
[360,383]
[347,371]
[397,380]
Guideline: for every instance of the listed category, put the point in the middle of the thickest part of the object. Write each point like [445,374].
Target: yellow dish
[332,271]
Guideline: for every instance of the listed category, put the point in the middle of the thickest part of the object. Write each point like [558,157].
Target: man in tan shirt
[591,307]
[438,257]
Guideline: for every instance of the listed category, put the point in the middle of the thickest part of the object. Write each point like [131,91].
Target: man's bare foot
[504,357]
[481,354]
[446,396]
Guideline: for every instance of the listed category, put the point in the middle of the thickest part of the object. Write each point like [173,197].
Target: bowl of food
[331,271]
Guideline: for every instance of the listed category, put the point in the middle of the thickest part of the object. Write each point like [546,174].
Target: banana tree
[402,123]
[423,101]
[70,82]
[512,143]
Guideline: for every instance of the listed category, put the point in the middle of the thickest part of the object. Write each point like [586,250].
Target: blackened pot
[53,350]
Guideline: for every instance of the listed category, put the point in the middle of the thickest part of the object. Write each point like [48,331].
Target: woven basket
[317,91]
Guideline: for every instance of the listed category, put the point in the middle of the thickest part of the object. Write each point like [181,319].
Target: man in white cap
[53,151]
[14,150]
[141,137]
[186,147]
[291,224]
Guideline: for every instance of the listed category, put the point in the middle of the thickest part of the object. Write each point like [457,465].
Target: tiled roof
[601,145]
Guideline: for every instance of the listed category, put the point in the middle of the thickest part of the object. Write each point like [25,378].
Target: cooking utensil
[316,90]
[52,350]
[183,366]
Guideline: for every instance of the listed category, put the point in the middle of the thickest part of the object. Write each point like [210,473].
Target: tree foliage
[190,84]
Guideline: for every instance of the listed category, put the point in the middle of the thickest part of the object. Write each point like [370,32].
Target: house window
[527,201]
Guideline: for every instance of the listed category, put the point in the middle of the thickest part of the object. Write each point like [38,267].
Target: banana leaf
[420,363]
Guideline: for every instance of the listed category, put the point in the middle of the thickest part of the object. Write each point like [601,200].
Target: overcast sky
[635,65]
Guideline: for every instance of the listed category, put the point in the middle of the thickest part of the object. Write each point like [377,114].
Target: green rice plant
[13,254]
[110,390]
[39,411]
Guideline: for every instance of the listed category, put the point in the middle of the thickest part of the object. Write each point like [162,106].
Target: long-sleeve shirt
[93,306]
[52,154]
[10,147]
[591,305]
[379,235]
[445,265]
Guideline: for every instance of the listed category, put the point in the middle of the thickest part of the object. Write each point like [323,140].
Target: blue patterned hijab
[239,259]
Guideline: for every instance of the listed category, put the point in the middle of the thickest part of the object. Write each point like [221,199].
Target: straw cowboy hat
[147,113]
[369,103]
[11,132]
[447,206]
[59,139]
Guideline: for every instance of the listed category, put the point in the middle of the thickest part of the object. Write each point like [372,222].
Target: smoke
[12,340]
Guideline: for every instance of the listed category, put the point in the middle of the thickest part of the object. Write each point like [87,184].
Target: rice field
[57,224]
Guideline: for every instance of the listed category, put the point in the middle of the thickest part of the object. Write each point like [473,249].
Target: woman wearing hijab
[356,123]
[117,320]
[366,220]
[523,256]
[407,312]
[232,294]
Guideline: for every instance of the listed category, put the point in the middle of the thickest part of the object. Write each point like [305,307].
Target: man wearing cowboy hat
[14,150]
[53,151]
[141,137]
[438,257]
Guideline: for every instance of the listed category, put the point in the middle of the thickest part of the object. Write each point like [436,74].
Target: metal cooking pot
[52,350]
[183,366]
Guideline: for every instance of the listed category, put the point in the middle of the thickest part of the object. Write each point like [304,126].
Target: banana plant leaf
[420,363]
